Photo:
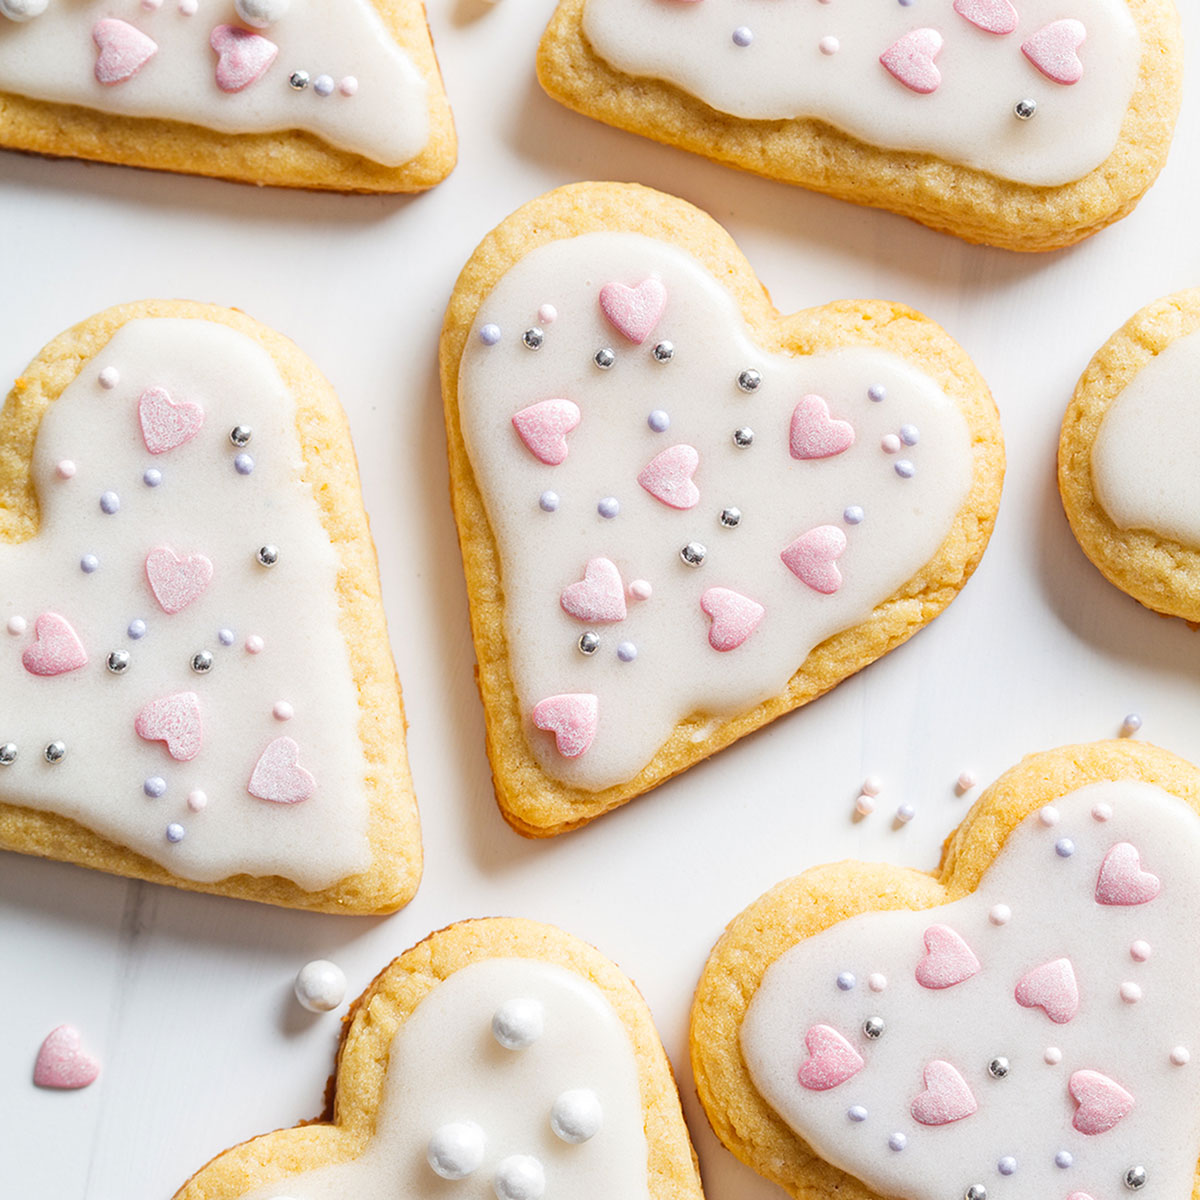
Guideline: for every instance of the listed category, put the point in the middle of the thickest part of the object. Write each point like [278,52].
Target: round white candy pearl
[320,985]
[455,1150]
[22,10]
[520,1177]
[576,1115]
[518,1023]
[261,13]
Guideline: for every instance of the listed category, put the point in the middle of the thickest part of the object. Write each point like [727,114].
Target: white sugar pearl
[22,10]
[864,805]
[577,1115]
[261,13]
[877,982]
[1053,1056]
[518,1023]
[1130,992]
[320,985]
[1180,1056]
[872,785]
[1000,914]
[1048,816]
[456,1150]
[520,1177]
[17,626]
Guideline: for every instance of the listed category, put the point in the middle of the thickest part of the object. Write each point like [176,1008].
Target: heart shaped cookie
[342,95]
[1028,125]
[1053,1062]
[1126,459]
[196,675]
[497,1058]
[750,507]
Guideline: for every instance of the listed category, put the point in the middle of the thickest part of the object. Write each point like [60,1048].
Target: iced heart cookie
[681,513]
[197,682]
[1027,125]
[1017,1024]
[1126,464]
[499,1058]
[336,94]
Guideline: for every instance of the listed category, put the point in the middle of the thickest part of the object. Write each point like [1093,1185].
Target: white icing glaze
[676,671]
[53,58]
[1028,1114]
[1144,459]
[202,505]
[968,120]
[444,1067]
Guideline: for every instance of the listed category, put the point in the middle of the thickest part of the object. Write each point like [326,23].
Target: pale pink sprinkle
[1053,50]
[109,378]
[547,314]
[278,776]
[17,626]
[965,782]
[124,50]
[56,648]
[1048,816]
[1102,1102]
[948,959]
[254,644]
[872,785]
[348,86]
[1102,812]
[1180,1056]
[189,8]
[1122,881]
[640,589]
[829,45]
[1140,951]
[946,1098]
[1130,992]
[65,469]
[1052,1057]
[634,311]
[993,16]
[877,982]
[1052,988]
[197,801]
[242,57]
[1000,914]
[283,711]
[62,1062]
[890,443]
[833,1060]
[864,805]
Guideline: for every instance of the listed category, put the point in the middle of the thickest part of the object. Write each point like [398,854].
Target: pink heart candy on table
[242,57]
[811,558]
[734,617]
[572,718]
[56,649]
[598,596]
[634,311]
[946,1098]
[124,50]
[814,433]
[62,1061]
[544,426]
[833,1060]
[278,775]
[910,60]
[167,423]
[175,580]
[1054,50]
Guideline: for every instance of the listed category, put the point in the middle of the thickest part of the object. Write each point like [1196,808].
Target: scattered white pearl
[890,443]
[965,782]
[348,86]
[1053,1056]
[1000,914]
[254,644]
[1180,1056]
[197,801]
[640,589]
[872,785]
[520,1177]
[547,314]
[456,1149]
[261,13]
[905,813]
[518,1023]
[864,805]
[1048,816]
[576,1115]
[1102,812]
[829,45]
[110,376]
[189,8]
[22,10]
[1140,951]
[1130,992]
[877,982]
[1131,724]
[65,469]
[320,985]
[283,711]
[17,626]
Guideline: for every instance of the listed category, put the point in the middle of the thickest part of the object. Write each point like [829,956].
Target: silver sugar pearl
[749,380]
[1024,109]
[873,1028]
[118,662]
[268,555]
[731,517]
[663,352]
[8,754]
[744,436]
[589,642]
[55,752]
[202,662]
[1135,1178]
[604,358]
[693,553]
[975,1192]
[998,1067]
[239,435]
[298,80]
[533,338]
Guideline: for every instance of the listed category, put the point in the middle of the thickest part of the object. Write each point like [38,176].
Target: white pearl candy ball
[259,13]
[22,10]
[456,1150]
[520,1177]
[577,1116]
[518,1023]
[320,985]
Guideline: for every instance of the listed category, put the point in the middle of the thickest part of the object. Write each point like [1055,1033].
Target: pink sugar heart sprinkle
[56,648]
[811,558]
[572,718]
[62,1062]
[734,617]
[1102,1102]
[910,60]
[1053,50]
[1122,881]
[598,596]
[278,776]
[948,959]
[174,720]
[124,50]
[1052,987]
[814,433]
[544,426]
[634,311]
[946,1097]
[242,57]
[992,16]
[177,581]
[167,423]
[668,477]
[833,1060]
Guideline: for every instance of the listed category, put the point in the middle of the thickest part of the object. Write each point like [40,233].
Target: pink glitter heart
[810,558]
[1053,50]
[833,1060]
[814,433]
[175,720]
[734,617]
[278,776]
[946,1097]
[668,477]
[948,959]
[167,423]
[242,57]
[598,596]
[544,427]
[177,581]
[1052,988]
[1122,881]
[1102,1102]
[992,16]
[572,718]
[62,1062]
[634,311]
[124,50]
[57,648]
[910,60]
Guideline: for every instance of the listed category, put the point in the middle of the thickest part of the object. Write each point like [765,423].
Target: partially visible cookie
[198,687]
[498,1058]
[1127,457]
[343,95]
[1026,127]
[683,513]
[1017,1024]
